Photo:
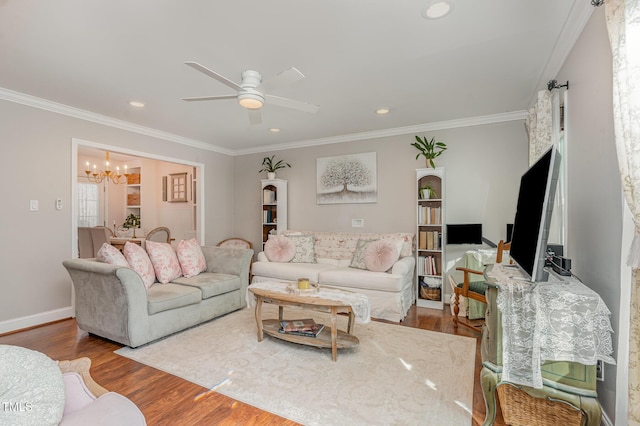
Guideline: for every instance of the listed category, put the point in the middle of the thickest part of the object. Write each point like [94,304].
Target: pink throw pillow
[139,261]
[191,258]
[380,255]
[111,255]
[164,261]
[279,249]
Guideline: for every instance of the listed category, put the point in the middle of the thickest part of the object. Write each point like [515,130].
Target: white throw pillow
[164,260]
[279,249]
[191,258]
[139,261]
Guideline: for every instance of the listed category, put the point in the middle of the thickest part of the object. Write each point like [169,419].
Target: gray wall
[483,168]
[594,191]
[36,165]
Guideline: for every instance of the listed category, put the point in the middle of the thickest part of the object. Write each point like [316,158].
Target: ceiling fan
[251,93]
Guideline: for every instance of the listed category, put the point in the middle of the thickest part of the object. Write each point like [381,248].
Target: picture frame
[347,179]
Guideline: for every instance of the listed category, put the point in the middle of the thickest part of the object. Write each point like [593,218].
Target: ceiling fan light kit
[250,94]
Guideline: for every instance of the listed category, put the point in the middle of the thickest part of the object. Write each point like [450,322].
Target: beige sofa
[390,293]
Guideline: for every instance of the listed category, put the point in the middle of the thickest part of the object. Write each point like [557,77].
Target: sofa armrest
[232,261]
[404,266]
[110,300]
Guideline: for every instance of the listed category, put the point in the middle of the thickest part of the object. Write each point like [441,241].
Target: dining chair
[474,290]
[161,234]
[235,242]
[85,242]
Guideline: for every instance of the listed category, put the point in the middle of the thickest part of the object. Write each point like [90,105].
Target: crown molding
[580,14]
[32,101]
[396,131]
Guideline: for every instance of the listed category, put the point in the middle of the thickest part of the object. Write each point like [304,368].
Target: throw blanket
[359,302]
[558,320]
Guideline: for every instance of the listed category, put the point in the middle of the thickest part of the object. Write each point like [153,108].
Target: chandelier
[97,176]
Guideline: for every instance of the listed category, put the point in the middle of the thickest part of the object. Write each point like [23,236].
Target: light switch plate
[33,205]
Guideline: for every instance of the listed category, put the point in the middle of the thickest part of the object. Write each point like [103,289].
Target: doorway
[108,204]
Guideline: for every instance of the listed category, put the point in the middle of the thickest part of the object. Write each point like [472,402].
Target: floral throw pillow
[305,248]
[113,256]
[164,260]
[280,249]
[139,261]
[191,258]
[357,261]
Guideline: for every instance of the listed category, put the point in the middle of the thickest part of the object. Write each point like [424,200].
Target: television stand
[568,388]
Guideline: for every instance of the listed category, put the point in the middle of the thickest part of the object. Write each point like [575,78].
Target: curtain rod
[553,84]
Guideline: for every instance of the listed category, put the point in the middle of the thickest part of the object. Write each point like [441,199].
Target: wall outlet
[600,370]
[357,223]
[33,205]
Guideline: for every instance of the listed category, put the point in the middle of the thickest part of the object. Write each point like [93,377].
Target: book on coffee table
[302,327]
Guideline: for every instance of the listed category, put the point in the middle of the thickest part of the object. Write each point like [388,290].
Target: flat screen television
[533,215]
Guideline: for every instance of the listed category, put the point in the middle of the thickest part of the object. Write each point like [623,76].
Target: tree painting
[347,179]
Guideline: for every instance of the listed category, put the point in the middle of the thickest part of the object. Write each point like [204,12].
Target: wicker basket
[430,293]
[133,199]
[133,179]
[522,409]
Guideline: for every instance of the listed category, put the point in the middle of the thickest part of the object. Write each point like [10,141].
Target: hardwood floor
[168,400]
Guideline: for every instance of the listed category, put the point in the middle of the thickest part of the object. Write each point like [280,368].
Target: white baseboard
[36,319]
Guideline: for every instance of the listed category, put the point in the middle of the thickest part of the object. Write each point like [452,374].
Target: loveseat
[330,261]
[113,302]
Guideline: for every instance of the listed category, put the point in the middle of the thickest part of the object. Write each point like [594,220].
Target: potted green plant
[427,192]
[270,166]
[132,221]
[430,149]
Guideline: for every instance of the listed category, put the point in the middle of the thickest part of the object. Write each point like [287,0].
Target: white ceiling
[484,61]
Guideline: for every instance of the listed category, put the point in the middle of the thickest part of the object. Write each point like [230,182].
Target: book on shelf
[430,240]
[428,265]
[429,215]
[268,196]
[302,327]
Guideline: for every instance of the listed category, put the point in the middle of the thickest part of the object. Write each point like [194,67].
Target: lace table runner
[558,320]
[359,302]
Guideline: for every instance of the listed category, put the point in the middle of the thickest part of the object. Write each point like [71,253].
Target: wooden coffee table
[329,337]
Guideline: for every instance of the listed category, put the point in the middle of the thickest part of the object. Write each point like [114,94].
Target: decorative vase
[271,175]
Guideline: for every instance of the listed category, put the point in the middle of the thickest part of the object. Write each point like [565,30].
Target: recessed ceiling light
[274,130]
[436,9]
[136,104]
[382,111]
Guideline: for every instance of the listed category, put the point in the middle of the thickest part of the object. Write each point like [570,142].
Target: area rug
[396,376]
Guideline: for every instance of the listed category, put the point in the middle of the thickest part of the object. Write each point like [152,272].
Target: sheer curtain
[623,25]
[544,128]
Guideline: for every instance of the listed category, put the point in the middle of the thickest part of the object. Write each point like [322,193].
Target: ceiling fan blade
[255,116]
[213,74]
[285,77]
[293,104]
[210,98]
